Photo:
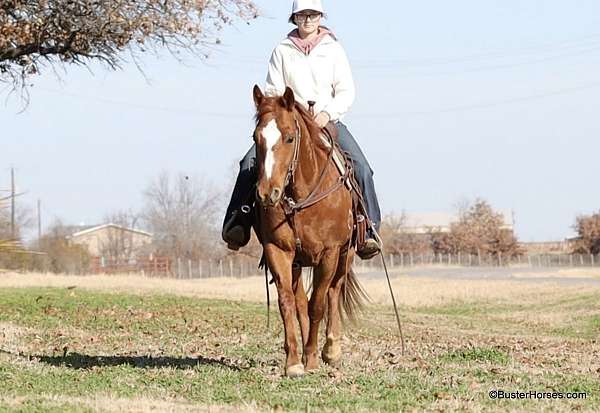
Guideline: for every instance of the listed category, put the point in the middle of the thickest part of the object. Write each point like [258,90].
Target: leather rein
[290,205]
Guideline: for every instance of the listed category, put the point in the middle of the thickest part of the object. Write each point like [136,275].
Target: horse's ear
[258,95]
[288,98]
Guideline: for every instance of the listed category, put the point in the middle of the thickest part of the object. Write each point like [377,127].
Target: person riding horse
[313,64]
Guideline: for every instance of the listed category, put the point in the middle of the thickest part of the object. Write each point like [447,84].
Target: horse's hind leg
[280,264]
[301,302]
[322,278]
[332,350]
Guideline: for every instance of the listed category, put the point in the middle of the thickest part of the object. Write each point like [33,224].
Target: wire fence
[239,267]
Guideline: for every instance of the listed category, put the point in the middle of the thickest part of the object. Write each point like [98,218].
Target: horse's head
[277,137]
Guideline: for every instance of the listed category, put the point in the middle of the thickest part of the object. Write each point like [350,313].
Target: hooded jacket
[323,76]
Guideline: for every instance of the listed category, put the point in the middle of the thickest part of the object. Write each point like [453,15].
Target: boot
[236,230]
[371,247]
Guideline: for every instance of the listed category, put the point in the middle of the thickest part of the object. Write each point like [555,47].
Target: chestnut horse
[304,219]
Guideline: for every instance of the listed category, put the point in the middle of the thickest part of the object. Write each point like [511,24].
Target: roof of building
[88,229]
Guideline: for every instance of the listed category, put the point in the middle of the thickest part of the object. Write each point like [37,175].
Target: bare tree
[35,33]
[120,243]
[398,240]
[24,219]
[183,214]
[588,229]
[63,256]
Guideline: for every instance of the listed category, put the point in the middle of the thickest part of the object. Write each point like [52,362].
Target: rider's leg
[238,223]
[362,172]
[364,177]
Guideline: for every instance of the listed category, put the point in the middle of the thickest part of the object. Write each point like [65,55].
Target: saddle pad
[338,159]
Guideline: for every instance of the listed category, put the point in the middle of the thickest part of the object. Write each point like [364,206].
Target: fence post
[581,259]
[402,259]
[592,260]
[479,256]
[411,259]
[199,268]
[189,268]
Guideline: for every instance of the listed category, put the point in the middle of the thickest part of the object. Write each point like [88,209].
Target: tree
[182,213]
[120,246]
[35,33]
[479,230]
[61,255]
[397,240]
[588,229]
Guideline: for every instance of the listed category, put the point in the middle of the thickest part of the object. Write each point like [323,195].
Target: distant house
[426,223]
[110,240]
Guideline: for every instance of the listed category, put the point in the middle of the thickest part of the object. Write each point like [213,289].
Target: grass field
[133,344]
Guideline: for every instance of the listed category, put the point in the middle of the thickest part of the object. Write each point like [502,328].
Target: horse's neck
[311,161]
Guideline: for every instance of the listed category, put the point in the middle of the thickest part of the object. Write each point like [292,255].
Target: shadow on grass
[82,361]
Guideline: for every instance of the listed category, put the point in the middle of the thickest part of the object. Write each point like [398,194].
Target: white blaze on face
[271,134]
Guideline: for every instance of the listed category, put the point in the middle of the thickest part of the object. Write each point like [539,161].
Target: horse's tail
[353,297]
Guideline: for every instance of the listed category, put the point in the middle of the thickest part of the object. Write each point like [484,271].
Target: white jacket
[324,76]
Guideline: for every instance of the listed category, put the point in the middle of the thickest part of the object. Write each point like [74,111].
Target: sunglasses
[302,17]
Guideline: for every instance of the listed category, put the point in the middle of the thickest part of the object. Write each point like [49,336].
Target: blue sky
[496,99]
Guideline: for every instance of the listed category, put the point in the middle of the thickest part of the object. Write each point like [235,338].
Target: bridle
[289,204]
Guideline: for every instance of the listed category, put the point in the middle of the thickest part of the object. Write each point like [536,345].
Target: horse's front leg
[323,275]
[280,264]
[301,302]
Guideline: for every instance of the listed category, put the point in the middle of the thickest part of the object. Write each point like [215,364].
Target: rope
[268,297]
[393,301]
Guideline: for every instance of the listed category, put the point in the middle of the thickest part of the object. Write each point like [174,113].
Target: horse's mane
[272,105]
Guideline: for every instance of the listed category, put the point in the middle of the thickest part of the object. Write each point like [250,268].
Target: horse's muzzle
[272,199]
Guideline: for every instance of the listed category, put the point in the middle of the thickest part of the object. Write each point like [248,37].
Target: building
[111,240]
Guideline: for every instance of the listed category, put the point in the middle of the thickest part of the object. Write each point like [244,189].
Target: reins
[290,205]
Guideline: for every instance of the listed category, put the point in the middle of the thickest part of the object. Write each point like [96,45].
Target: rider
[314,65]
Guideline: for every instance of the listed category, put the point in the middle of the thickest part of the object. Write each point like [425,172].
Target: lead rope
[268,296]
[393,301]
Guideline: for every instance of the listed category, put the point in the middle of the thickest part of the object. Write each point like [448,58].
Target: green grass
[79,344]
[477,355]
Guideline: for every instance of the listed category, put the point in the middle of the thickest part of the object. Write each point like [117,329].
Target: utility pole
[12,203]
[39,213]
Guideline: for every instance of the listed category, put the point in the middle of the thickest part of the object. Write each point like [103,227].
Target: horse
[304,219]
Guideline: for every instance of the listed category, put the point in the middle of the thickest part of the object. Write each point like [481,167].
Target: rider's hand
[322,118]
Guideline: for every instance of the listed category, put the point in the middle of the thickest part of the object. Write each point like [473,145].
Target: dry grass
[106,404]
[413,292]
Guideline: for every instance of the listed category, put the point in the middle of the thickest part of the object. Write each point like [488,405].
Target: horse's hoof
[297,370]
[312,366]
[333,361]
[332,354]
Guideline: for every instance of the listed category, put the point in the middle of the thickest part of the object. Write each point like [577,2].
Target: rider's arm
[343,86]
[275,85]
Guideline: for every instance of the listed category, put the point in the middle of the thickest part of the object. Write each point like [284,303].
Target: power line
[484,105]
[176,110]
[187,111]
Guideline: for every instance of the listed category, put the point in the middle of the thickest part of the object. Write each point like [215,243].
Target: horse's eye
[289,139]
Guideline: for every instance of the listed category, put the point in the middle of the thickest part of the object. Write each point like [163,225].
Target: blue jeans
[243,192]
